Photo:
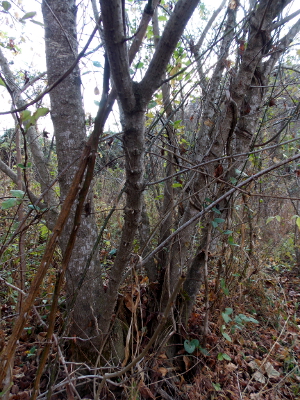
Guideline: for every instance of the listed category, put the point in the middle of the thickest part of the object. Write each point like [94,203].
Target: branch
[43,176]
[113,19]
[13,176]
[160,326]
[216,202]
[281,47]
[167,43]
[141,32]
[285,20]
[60,79]
[198,46]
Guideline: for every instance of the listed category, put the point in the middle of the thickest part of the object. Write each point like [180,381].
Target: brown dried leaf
[208,122]
[258,376]
[187,362]
[145,391]
[163,356]
[231,367]
[163,371]
[129,302]
[271,371]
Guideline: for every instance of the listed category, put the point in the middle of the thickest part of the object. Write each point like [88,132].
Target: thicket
[202,301]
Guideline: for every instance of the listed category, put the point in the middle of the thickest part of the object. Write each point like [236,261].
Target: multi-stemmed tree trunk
[233,100]
[134,98]
[94,306]
[232,107]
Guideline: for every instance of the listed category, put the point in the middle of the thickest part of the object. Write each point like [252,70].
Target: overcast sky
[29,37]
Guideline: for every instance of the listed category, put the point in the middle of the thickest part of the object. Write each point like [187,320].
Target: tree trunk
[69,128]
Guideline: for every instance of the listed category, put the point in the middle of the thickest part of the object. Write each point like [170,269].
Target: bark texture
[233,104]
[134,98]
[69,128]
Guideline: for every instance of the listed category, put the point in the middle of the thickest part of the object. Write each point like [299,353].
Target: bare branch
[166,45]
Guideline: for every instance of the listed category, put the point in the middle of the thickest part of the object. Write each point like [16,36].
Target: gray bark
[69,128]
[133,99]
[242,107]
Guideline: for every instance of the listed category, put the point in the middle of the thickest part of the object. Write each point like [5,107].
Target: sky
[29,37]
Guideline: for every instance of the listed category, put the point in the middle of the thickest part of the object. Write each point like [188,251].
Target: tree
[234,99]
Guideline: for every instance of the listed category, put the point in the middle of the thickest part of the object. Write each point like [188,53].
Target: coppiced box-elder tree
[229,63]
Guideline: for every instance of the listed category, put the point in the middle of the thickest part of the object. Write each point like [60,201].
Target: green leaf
[17,193]
[278,218]
[177,123]
[113,252]
[195,342]
[162,18]
[189,346]
[152,104]
[28,15]
[253,320]
[269,219]
[240,173]
[228,310]
[6,5]
[298,222]
[216,210]
[139,65]
[223,287]
[219,220]
[40,112]
[214,224]
[228,232]
[9,203]
[226,336]
[231,241]
[226,317]
[176,185]
[97,103]
[223,356]
[2,82]
[97,64]
[25,115]
[22,166]
[238,320]
[248,319]
[44,231]
[203,351]
[217,386]
[32,350]
[38,23]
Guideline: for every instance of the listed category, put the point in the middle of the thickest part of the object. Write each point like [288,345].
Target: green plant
[191,345]
[234,323]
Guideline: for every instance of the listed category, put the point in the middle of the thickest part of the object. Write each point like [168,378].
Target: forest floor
[264,358]
[252,349]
